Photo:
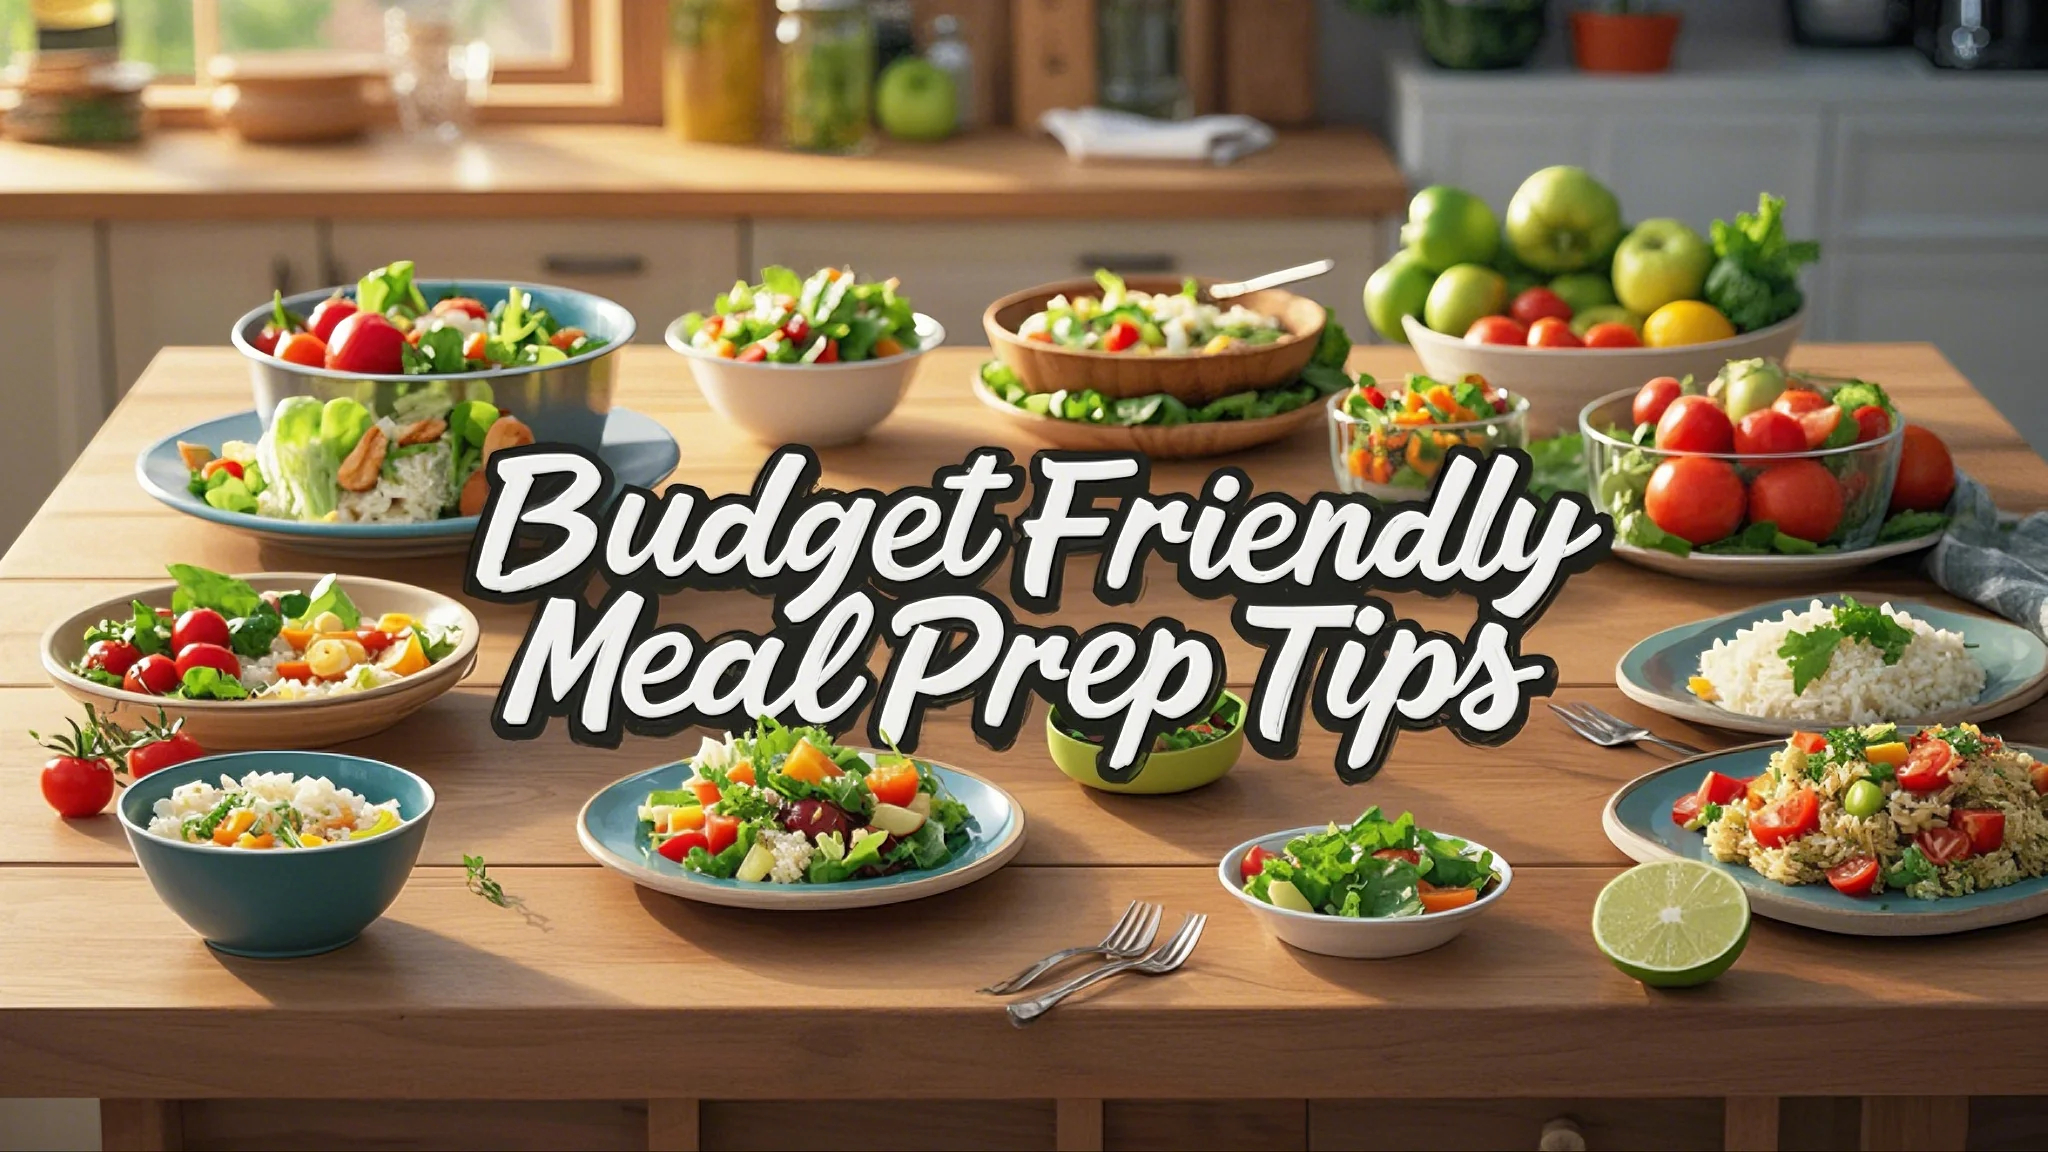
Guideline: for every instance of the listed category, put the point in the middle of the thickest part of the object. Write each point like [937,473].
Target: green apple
[915,100]
[1583,290]
[1584,318]
[1661,261]
[1398,288]
[1563,220]
[1449,226]
[1464,293]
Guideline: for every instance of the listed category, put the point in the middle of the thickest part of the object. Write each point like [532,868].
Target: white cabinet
[658,269]
[952,270]
[178,282]
[52,378]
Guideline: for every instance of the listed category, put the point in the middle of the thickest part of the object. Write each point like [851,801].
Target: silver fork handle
[1675,746]
[1023,979]
[1025,1011]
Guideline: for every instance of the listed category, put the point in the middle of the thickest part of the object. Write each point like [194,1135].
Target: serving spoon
[1271,280]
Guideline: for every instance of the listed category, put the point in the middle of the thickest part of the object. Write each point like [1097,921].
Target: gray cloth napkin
[1998,561]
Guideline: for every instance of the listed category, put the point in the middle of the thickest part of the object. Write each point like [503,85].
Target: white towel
[1099,133]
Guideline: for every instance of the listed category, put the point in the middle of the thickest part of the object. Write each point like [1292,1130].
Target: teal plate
[609,827]
[639,451]
[1638,821]
[1655,671]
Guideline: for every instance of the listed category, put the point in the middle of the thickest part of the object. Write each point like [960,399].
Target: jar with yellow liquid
[711,78]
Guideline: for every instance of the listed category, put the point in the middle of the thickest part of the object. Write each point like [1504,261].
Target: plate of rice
[1877,830]
[1836,661]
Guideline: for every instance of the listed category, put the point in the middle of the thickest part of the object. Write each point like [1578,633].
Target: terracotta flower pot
[1632,42]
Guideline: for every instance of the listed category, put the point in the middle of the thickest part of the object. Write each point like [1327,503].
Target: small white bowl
[1343,936]
[822,405]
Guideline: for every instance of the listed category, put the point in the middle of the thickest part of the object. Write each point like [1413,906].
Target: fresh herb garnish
[480,882]
[1810,653]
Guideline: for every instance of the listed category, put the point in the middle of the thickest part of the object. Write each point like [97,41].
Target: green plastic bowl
[287,902]
[1160,773]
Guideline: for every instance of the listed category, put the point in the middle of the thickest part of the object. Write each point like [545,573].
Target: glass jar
[828,73]
[1138,58]
[952,56]
[711,73]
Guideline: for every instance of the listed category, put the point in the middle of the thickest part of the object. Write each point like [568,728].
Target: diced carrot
[707,792]
[1413,417]
[294,670]
[238,822]
[297,637]
[1445,899]
[1358,462]
[742,773]
[264,841]
[810,765]
[888,346]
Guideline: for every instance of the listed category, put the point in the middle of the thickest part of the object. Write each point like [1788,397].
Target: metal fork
[1610,731]
[1128,940]
[1169,956]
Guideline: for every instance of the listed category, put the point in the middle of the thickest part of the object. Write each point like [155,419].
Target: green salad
[1374,869]
[830,318]
[1222,720]
[1147,324]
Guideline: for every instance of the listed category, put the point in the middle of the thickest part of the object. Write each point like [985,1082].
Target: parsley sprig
[480,882]
[1810,653]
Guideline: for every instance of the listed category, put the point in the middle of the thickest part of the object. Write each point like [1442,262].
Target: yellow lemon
[1685,322]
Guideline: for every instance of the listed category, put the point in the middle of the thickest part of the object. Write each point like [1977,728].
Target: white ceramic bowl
[821,405]
[1559,382]
[1343,936]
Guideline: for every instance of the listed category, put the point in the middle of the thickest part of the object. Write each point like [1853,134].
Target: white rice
[412,488]
[315,798]
[1935,674]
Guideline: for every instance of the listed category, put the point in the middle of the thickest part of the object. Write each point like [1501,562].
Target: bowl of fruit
[1564,304]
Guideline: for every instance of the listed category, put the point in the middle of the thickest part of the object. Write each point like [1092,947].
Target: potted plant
[1624,36]
[1470,34]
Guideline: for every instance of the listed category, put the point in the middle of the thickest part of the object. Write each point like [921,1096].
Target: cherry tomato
[1786,820]
[831,353]
[204,655]
[199,626]
[1612,334]
[1766,432]
[157,755]
[153,675]
[1254,862]
[1695,424]
[1872,423]
[1927,474]
[1943,845]
[1497,330]
[77,787]
[1408,854]
[1927,766]
[476,346]
[115,656]
[1984,826]
[566,338]
[1801,497]
[366,342]
[797,328]
[304,348]
[467,305]
[268,339]
[2038,773]
[677,847]
[1855,876]
[1686,808]
[374,640]
[1719,789]
[1374,397]
[1539,303]
[1550,332]
[327,315]
[1695,498]
[1811,743]
[894,783]
[1653,398]
[1121,335]
[720,832]
[1816,416]
[753,353]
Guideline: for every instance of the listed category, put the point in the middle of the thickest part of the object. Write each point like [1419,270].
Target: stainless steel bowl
[565,402]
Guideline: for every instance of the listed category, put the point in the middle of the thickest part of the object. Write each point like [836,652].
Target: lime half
[1672,923]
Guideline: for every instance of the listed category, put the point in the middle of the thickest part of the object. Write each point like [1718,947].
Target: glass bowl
[1618,471]
[1391,460]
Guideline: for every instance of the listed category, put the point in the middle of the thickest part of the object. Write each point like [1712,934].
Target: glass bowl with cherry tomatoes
[1390,442]
[1758,462]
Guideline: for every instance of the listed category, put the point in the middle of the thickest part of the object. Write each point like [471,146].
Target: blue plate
[639,451]
[609,827]
[1638,821]
[1655,671]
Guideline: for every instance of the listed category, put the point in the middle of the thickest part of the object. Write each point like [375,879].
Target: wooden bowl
[292,98]
[1179,442]
[261,725]
[1191,379]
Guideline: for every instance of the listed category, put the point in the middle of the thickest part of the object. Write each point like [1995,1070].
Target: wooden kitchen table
[596,1014]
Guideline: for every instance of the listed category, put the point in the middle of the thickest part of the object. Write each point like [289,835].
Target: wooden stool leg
[141,1126]
[1912,1123]
[1750,1124]
[1077,1126]
[672,1126]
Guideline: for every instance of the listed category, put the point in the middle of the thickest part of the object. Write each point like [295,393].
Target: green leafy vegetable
[1754,281]
[1810,653]
[210,684]
[1339,875]
[478,876]
[1911,526]
[328,596]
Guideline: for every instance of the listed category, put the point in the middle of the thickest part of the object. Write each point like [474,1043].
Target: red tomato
[797,329]
[1871,423]
[1374,397]
[208,656]
[374,640]
[1686,808]
[566,338]
[304,348]
[476,346]
[1695,498]
[468,306]
[1719,789]
[894,783]
[1497,330]
[158,755]
[1984,826]
[1766,432]
[77,787]
[1550,332]
[1408,854]
[707,792]
[1786,820]
[1817,418]
[2038,773]
[268,339]
[115,656]
[1653,398]
[1694,424]
[221,464]
[329,314]
[1612,334]
[1121,335]
[1801,497]
[199,626]
[677,847]
[1539,303]
[831,353]
[1943,845]
[153,675]
[1927,474]
[367,342]
[1927,766]
[1254,862]
[753,353]
[1811,743]
[1855,876]
[720,832]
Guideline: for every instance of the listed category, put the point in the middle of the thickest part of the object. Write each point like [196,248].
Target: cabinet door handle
[1153,263]
[624,264]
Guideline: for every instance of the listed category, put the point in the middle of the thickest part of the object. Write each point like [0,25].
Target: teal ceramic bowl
[281,903]
[1161,773]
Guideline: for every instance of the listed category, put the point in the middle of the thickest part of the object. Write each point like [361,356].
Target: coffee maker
[1982,33]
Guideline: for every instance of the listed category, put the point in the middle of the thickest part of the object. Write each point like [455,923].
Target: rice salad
[1145,323]
[1938,813]
[1854,663]
[266,810]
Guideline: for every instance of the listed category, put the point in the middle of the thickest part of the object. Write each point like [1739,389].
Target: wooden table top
[451,997]
[595,170]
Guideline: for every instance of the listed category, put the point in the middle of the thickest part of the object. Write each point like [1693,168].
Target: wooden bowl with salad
[1153,334]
